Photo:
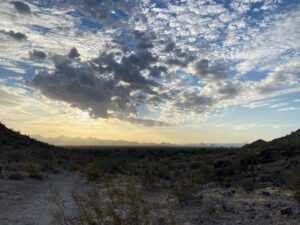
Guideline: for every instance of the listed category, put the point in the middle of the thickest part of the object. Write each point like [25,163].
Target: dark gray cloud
[18,36]
[211,71]
[194,101]
[37,55]
[96,86]
[277,82]
[129,69]
[179,58]
[21,7]
[170,47]
[144,40]
[74,53]
[82,88]
[229,89]
[156,71]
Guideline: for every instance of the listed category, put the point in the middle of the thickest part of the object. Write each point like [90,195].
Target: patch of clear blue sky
[10,77]
[265,114]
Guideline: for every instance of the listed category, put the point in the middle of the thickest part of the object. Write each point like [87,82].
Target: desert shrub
[16,176]
[293,181]
[122,205]
[197,176]
[195,165]
[33,169]
[47,165]
[92,172]
[14,155]
[247,184]
[210,174]
[148,177]
[213,206]
[184,191]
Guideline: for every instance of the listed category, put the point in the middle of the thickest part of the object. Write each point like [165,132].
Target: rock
[16,176]
[186,223]
[229,192]
[286,211]
[266,193]
[268,205]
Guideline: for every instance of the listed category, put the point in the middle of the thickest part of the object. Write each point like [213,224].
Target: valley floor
[28,202]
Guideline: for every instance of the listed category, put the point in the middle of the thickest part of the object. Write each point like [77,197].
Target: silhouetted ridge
[257,144]
[14,141]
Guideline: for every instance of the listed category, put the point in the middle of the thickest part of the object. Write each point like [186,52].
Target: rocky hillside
[15,146]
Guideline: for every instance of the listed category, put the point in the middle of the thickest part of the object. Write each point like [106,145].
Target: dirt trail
[27,202]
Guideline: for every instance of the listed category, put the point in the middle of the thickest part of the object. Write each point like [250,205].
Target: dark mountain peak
[260,141]
[257,144]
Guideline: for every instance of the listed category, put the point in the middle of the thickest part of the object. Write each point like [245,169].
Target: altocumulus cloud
[149,63]
[21,7]
[103,87]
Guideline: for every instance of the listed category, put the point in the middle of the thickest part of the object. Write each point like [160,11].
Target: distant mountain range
[12,139]
[91,141]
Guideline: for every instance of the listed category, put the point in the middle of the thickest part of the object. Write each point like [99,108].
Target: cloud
[117,60]
[37,55]
[211,71]
[192,100]
[18,36]
[21,7]
[229,89]
[81,88]
[287,109]
[279,105]
[74,53]
[103,87]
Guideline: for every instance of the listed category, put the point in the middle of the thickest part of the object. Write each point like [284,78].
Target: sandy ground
[27,202]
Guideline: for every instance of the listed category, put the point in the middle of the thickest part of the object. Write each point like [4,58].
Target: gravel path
[27,202]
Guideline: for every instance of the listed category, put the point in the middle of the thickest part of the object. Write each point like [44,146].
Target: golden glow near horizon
[188,72]
[34,119]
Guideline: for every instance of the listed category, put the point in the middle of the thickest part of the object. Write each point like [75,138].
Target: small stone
[268,205]
[286,211]
[266,193]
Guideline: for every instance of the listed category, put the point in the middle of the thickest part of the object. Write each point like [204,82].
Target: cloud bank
[153,62]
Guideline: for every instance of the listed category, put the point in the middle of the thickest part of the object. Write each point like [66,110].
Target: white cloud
[200,30]
[287,109]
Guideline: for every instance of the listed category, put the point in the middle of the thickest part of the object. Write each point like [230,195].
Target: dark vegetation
[176,169]
[248,166]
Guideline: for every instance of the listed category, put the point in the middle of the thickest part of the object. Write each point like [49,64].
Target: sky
[151,71]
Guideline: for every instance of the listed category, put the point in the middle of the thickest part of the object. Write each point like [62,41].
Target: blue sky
[156,68]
